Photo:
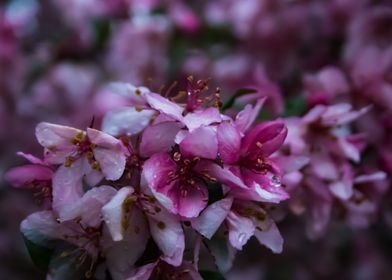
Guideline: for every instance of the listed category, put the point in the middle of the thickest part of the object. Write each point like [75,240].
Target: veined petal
[67,187]
[155,171]
[229,141]
[203,117]
[158,138]
[164,106]
[201,142]
[126,121]
[55,136]
[189,200]
[108,152]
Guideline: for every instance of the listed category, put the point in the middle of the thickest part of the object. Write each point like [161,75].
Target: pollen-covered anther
[68,161]
[96,166]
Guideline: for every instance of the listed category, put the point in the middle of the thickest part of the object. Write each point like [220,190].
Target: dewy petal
[248,115]
[202,142]
[67,186]
[212,217]
[155,171]
[164,106]
[126,121]
[168,235]
[189,200]
[240,229]
[229,141]
[109,153]
[262,187]
[23,176]
[158,138]
[121,255]
[55,136]
[264,139]
[200,118]
[113,213]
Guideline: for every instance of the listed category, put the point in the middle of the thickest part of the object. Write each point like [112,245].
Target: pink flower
[252,174]
[128,209]
[176,183]
[36,176]
[93,154]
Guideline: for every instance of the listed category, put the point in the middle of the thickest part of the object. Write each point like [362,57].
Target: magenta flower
[176,183]
[252,174]
[36,176]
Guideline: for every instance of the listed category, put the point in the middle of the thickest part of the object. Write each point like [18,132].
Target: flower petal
[67,187]
[113,213]
[168,234]
[240,229]
[264,139]
[201,142]
[126,121]
[108,152]
[212,217]
[23,176]
[164,106]
[155,171]
[158,138]
[248,115]
[189,200]
[229,141]
[268,234]
[55,136]
[122,255]
[203,117]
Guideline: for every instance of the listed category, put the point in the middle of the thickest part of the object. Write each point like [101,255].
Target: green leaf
[40,255]
[73,266]
[241,92]
[101,32]
[222,251]
[295,106]
[211,275]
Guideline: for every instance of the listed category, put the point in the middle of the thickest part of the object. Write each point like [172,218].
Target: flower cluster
[158,173]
